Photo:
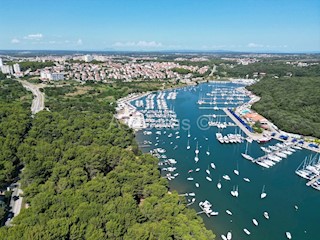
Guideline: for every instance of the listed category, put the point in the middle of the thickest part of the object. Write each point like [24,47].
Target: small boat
[197,149]
[208,171]
[226,177]
[255,222]
[288,234]
[197,185]
[190,178]
[213,166]
[196,159]
[219,185]
[209,179]
[229,235]
[266,215]
[247,231]
[197,169]
[229,212]
[207,152]
[214,213]
[192,194]
[224,237]
[246,179]
[233,192]
[263,194]
[236,193]
[248,157]
[189,134]
[188,146]
[236,172]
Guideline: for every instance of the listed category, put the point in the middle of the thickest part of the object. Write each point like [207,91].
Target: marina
[258,192]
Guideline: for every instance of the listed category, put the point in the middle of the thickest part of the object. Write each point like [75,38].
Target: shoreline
[275,132]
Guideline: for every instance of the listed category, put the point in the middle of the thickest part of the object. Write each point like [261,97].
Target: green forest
[272,68]
[85,178]
[293,104]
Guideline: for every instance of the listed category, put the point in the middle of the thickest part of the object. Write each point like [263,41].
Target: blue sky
[239,25]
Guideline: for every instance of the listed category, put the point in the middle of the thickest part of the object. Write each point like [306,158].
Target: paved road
[214,69]
[38,101]
[15,202]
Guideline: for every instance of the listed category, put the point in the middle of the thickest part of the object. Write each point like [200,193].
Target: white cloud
[79,42]
[15,40]
[254,45]
[36,36]
[139,44]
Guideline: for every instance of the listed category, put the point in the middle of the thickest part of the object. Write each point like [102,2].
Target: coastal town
[214,88]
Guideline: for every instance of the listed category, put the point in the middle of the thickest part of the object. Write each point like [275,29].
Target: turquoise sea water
[283,187]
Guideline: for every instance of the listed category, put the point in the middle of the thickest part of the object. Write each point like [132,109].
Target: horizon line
[170,51]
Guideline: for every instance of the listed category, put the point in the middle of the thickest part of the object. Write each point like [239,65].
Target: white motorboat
[255,222]
[213,166]
[226,177]
[209,179]
[219,185]
[246,179]
[214,213]
[247,231]
[190,178]
[266,215]
[224,237]
[229,235]
[288,234]
[197,185]
[229,212]
[197,169]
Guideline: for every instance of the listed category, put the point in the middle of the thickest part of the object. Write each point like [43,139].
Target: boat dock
[304,145]
[254,136]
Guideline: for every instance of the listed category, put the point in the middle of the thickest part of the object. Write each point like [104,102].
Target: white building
[47,75]
[16,68]
[1,63]
[6,69]
[87,58]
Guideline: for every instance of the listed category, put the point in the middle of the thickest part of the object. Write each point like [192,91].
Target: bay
[284,188]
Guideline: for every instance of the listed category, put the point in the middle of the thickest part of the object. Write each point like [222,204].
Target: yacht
[288,235]
[214,213]
[229,212]
[213,166]
[219,185]
[246,179]
[263,194]
[188,146]
[226,177]
[229,235]
[248,157]
[197,149]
